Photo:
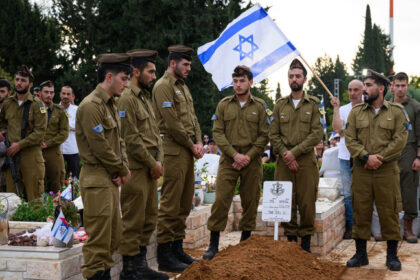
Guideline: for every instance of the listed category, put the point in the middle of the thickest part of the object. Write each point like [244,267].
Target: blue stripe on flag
[257,15]
[269,60]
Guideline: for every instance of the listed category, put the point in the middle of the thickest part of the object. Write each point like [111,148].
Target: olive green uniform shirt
[296,129]
[98,133]
[174,110]
[235,127]
[11,117]
[58,126]
[412,108]
[384,133]
[139,128]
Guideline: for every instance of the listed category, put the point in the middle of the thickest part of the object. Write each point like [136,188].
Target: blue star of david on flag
[243,53]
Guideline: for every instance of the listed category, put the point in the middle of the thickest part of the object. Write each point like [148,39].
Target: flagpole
[316,76]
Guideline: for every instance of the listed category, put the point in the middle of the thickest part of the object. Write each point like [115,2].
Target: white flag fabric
[252,39]
[67,193]
[62,230]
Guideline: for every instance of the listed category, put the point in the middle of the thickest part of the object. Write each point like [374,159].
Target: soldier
[24,118]
[295,131]
[181,132]
[376,134]
[37,92]
[57,133]
[409,162]
[5,91]
[139,204]
[105,168]
[240,129]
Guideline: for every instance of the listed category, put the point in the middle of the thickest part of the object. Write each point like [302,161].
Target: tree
[374,50]
[262,91]
[92,27]
[278,92]
[29,37]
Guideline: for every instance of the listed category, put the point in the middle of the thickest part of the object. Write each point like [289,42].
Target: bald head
[355,88]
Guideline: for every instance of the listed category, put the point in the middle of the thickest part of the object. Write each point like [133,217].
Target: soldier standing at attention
[295,131]
[23,108]
[376,134]
[240,129]
[139,204]
[409,162]
[57,133]
[181,132]
[105,168]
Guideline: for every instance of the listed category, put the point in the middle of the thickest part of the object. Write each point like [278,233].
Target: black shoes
[145,272]
[213,247]
[392,261]
[101,275]
[167,260]
[180,254]
[360,258]
[306,243]
[292,238]
[245,235]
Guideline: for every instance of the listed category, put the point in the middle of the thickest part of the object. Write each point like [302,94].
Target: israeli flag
[254,40]
[62,230]
[67,193]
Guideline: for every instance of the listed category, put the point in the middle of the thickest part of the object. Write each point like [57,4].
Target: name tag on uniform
[166,104]
[308,113]
[254,113]
[122,113]
[99,128]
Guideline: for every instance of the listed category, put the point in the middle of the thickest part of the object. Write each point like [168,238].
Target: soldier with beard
[25,143]
[295,131]
[57,133]
[5,91]
[174,108]
[240,129]
[376,134]
[139,204]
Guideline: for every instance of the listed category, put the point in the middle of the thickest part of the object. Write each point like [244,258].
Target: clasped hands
[373,162]
[240,161]
[290,160]
[197,150]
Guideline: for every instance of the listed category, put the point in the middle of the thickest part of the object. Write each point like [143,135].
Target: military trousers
[176,195]
[382,187]
[54,167]
[409,181]
[305,188]
[31,174]
[102,219]
[249,191]
[139,209]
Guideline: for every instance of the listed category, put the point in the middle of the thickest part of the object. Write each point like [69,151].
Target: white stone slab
[325,207]
[33,252]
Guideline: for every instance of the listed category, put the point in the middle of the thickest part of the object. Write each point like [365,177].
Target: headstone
[329,188]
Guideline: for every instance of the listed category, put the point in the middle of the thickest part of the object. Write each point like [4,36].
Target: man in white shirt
[355,88]
[69,147]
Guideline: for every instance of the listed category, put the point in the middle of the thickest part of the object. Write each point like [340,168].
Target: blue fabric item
[345,172]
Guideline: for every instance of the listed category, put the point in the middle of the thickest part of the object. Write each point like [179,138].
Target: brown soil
[263,258]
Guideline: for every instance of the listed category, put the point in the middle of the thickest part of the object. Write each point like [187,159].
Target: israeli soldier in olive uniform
[294,132]
[240,129]
[57,133]
[26,151]
[139,204]
[181,132]
[105,168]
[409,162]
[376,134]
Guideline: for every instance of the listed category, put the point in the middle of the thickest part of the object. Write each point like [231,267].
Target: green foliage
[262,91]
[37,210]
[374,51]
[278,92]
[415,81]
[69,212]
[268,171]
[29,37]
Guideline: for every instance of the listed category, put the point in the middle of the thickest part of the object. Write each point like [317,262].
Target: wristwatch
[365,158]
[417,157]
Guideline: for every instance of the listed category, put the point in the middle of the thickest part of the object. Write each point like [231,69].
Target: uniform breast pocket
[386,127]
[142,121]
[305,121]
[109,125]
[252,120]
[181,103]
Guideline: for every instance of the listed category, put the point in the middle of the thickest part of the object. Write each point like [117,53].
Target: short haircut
[379,82]
[114,68]
[5,83]
[46,84]
[25,72]
[178,57]
[141,62]
[211,141]
[401,76]
[71,89]
[243,73]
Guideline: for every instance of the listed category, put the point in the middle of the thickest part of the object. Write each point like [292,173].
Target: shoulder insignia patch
[122,113]
[99,128]
[166,104]
[214,117]
[270,119]
[408,126]
[68,115]
[42,107]
[406,115]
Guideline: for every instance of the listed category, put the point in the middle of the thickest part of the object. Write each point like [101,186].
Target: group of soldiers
[32,128]
[128,138]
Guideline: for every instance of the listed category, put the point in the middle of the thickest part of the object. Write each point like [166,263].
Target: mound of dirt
[263,258]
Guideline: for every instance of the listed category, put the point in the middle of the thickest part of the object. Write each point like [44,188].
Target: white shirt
[69,147]
[343,153]
[296,102]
